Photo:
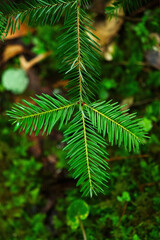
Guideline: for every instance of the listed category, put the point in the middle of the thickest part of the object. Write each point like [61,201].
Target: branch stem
[79,50]
[86,148]
[82,229]
[42,113]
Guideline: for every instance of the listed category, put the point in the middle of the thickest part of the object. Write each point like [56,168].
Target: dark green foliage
[109,118]
[78,60]
[78,57]
[87,153]
[87,149]
[127,5]
[153,110]
[130,5]
[20,186]
[141,217]
[129,64]
[36,12]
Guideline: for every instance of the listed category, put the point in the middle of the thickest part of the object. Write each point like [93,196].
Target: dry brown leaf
[153,55]
[108,29]
[128,102]
[153,58]
[61,83]
[52,159]
[11,51]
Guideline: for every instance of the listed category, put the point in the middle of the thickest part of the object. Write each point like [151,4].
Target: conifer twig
[26,65]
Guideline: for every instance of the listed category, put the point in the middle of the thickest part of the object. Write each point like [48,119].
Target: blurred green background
[35,187]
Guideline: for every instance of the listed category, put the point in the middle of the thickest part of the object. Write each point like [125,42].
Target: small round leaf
[79,209]
[15,80]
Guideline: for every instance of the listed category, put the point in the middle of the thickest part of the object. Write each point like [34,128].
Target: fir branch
[120,126]
[47,112]
[87,154]
[78,56]
[36,12]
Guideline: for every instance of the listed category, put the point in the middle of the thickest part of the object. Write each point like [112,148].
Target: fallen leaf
[26,65]
[128,102]
[61,83]
[11,51]
[107,29]
[153,58]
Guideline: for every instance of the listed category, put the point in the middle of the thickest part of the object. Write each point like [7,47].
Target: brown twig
[26,65]
[145,101]
[148,5]
[128,18]
[142,186]
[126,157]
[123,213]
[124,63]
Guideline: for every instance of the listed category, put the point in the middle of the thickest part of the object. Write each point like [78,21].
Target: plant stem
[83,230]
[79,49]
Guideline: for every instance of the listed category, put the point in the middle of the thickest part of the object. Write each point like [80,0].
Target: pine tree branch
[113,121]
[78,56]
[37,12]
[46,113]
[120,126]
[87,154]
